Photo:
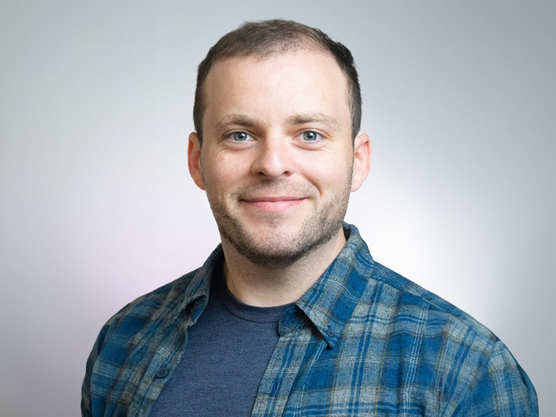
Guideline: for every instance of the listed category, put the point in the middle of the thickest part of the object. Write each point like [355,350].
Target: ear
[194,160]
[361,161]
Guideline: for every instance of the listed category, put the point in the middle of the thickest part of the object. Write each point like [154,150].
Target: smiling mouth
[273,203]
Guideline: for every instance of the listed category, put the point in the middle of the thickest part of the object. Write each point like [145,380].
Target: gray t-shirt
[227,352]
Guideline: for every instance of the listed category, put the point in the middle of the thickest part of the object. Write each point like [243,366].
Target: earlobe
[194,160]
[361,161]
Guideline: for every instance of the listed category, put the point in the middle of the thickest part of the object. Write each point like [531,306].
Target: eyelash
[231,136]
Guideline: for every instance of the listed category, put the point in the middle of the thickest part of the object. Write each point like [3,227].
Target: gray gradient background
[98,207]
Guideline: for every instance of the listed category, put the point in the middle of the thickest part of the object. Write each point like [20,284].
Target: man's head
[278,159]
[263,39]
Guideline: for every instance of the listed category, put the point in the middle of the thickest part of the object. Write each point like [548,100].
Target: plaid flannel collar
[328,304]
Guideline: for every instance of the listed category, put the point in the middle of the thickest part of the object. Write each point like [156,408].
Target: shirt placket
[280,388]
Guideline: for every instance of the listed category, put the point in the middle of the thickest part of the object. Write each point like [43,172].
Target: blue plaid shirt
[362,341]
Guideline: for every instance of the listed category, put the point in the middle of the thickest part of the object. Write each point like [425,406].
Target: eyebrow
[303,118]
[236,119]
[295,119]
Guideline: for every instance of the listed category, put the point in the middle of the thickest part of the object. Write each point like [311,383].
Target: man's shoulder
[410,305]
[400,305]
[161,297]
[165,303]
[433,340]
[157,306]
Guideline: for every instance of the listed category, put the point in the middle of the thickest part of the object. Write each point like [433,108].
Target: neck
[266,287]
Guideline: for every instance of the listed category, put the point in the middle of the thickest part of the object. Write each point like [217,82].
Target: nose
[273,158]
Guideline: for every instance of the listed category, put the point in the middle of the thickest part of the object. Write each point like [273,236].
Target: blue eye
[310,136]
[240,136]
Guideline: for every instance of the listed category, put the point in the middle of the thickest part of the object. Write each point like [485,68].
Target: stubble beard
[277,250]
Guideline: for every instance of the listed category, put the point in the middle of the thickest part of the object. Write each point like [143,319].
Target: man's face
[277,160]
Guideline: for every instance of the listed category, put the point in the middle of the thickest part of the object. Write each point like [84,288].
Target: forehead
[302,81]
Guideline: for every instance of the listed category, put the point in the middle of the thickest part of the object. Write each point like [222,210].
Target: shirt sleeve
[86,409]
[501,388]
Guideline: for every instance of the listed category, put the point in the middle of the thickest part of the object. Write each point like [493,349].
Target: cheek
[330,174]
[221,173]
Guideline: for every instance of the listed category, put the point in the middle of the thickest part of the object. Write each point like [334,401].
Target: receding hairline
[310,46]
[262,39]
[297,42]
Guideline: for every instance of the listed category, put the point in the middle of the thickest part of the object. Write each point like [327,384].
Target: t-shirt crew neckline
[244,311]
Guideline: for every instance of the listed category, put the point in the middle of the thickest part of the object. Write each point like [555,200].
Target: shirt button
[162,373]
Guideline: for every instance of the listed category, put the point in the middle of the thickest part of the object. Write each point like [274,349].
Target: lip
[273,203]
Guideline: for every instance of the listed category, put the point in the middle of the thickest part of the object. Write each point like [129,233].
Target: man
[291,315]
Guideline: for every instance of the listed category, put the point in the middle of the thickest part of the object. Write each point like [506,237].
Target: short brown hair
[270,37]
